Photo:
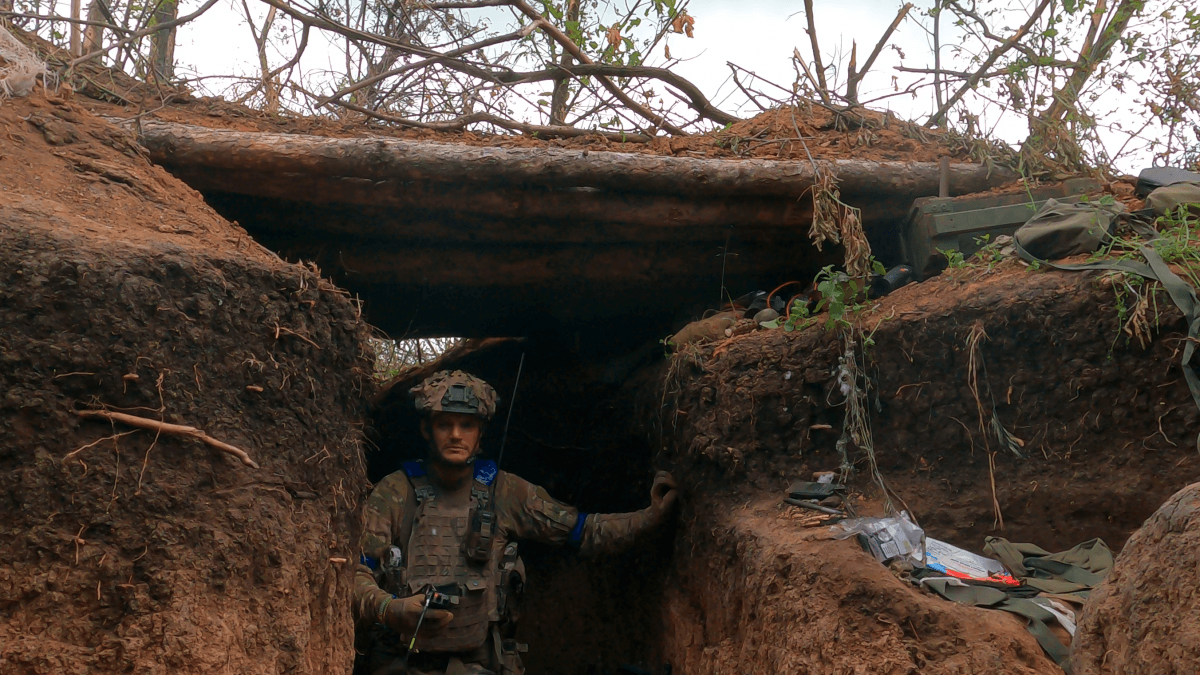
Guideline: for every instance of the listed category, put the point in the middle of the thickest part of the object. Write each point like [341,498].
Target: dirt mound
[1107,426]
[145,552]
[768,596]
[785,134]
[1145,617]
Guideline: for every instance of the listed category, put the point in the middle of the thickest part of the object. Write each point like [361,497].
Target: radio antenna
[512,403]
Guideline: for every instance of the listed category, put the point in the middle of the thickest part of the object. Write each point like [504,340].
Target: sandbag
[706,330]
[1059,230]
[1169,198]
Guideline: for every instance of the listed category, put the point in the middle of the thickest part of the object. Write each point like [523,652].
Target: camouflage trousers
[384,654]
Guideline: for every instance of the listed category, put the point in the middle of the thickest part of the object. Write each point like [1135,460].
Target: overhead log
[489,212]
[391,159]
[621,224]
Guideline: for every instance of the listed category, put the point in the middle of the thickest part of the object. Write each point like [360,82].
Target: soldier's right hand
[402,614]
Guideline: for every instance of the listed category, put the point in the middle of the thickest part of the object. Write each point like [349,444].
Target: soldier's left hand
[663,493]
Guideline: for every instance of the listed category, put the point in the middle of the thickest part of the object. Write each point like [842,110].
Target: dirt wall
[1108,432]
[153,553]
[1108,426]
[1145,617]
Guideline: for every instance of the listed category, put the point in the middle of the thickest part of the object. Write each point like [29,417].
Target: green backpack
[1169,198]
[1059,229]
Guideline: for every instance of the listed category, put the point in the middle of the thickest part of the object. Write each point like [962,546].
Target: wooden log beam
[435,266]
[390,159]
[455,211]
[397,224]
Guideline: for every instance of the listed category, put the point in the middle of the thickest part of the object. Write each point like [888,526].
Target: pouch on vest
[1168,199]
[1059,230]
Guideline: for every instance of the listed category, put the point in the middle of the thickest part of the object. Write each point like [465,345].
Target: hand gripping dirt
[455,391]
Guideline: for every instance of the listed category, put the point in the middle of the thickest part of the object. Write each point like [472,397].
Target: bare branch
[440,59]
[579,55]
[856,77]
[696,99]
[823,88]
[996,53]
[460,123]
[166,25]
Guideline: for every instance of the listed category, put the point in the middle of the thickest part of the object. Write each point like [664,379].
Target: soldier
[448,523]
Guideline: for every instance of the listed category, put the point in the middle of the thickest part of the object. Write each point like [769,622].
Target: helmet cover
[457,392]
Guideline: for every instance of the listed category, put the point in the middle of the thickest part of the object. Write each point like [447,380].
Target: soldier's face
[454,436]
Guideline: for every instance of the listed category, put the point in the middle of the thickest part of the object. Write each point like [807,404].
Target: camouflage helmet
[455,391]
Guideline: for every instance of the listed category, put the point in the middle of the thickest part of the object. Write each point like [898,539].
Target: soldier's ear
[425,428]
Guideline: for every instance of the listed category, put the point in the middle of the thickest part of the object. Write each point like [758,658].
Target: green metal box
[959,223]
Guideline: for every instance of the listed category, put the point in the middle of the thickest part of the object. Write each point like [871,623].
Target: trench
[1109,430]
[163,555]
[573,433]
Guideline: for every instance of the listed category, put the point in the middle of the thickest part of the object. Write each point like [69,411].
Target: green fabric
[1169,198]
[1079,569]
[991,598]
[1059,230]
[1012,555]
[1155,268]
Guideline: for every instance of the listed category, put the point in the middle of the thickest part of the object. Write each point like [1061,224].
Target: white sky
[758,35]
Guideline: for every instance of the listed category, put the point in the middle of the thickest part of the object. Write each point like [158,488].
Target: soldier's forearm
[614,532]
[369,598]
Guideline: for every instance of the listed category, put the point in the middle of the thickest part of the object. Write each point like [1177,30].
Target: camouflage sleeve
[383,517]
[529,512]
[615,532]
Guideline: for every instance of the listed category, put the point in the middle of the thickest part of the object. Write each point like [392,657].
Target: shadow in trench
[572,432]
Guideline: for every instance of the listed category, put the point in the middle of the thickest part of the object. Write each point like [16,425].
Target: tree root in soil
[172,429]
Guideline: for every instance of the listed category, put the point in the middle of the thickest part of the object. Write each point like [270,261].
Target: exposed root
[287,331]
[974,363]
[1138,326]
[999,517]
[172,429]
[856,428]
[973,360]
[71,455]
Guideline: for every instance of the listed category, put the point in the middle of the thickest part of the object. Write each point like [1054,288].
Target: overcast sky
[758,35]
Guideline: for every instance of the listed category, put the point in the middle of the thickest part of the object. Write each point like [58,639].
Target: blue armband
[576,537]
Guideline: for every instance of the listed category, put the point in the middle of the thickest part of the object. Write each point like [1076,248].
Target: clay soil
[1145,617]
[1109,433]
[138,552]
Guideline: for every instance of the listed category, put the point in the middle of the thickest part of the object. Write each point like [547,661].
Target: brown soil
[1109,432]
[759,594]
[148,553]
[1109,427]
[770,135]
[1145,617]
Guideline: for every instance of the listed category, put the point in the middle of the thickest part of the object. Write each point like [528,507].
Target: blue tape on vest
[485,471]
[414,469]
[369,561]
[577,532]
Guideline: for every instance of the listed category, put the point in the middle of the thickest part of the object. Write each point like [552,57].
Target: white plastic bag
[19,67]
[887,538]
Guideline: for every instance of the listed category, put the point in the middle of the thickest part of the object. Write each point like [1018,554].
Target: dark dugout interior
[574,431]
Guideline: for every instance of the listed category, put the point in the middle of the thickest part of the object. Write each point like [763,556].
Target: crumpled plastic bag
[19,66]
[886,538]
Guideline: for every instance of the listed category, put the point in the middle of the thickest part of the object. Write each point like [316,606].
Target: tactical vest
[435,556]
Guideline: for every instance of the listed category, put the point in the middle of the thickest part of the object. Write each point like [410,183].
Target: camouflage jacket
[524,511]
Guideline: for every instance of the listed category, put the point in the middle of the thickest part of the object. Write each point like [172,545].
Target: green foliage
[954,259]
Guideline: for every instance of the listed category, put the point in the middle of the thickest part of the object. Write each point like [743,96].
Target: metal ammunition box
[961,223]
